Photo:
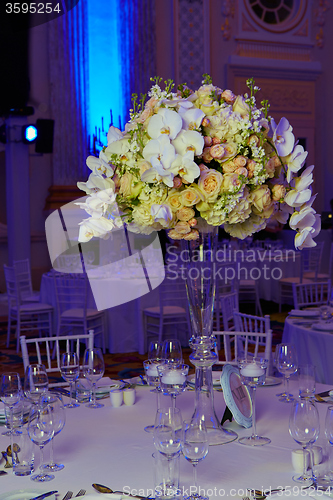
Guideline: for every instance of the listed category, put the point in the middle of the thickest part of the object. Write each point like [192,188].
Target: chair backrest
[71,292]
[172,291]
[249,323]
[260,345]
[311,259]
[229,304]
[311,294]
[13,295]
[23,275]
[44,348]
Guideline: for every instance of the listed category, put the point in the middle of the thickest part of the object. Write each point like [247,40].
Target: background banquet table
[313,346]
[109,446]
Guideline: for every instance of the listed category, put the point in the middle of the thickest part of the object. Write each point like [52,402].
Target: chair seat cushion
[294,279]
[31,307]
[247,282]
[167,310]
[79,313]
[320,276]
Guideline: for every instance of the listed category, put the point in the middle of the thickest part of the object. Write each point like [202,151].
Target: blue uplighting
[104,66]
[30,133]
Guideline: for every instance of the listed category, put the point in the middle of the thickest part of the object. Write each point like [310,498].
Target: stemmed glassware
[173,378]
[253,373]
[41,431]
[195,448]
[70,369]
[172,351]
[55,403]
[36,382]
[329,435]
[286,363]
[168,431]
[304,428]
[150,367]
[155,350]
[93,369]
[10,394]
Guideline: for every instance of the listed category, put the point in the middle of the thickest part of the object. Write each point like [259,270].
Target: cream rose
[209,183]
[278,192]
[191,196]
[229,168]
[206,156]
[185,214]
[130,187]
[261,198]
[271,166]
[241,171]
[240,161]
[217,151]
[182,227]
[174,200]
[240,106]
[228,96]
[230,181]
[240,213]
[193,235]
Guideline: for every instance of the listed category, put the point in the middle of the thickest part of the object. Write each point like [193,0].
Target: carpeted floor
[123,365]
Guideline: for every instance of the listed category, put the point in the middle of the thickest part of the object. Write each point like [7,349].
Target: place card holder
[236,396]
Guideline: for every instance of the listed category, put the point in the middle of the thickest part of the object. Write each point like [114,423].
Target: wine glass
[70,369]
[173,379]
[155,350]
[150,367]
[195,448]
[329,433]
[168,431]
[93,368]
[41,431]
[36,382]
[10,395]
[54,401]
[172,351]
[253,373]
[304,428]
[286,363]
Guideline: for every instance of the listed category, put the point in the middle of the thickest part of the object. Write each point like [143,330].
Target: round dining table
[109,446]
[313,340]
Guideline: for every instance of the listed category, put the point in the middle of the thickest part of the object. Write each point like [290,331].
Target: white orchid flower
[185,167]
[282,214]
[157,173]
[120,147]
[96,183]
[165,122]
[100,165]
[97,203]
[192,118]
[114,134]
[161,214]
[283,137]
[296,198]
[160,149]
[304,239]
[305,180]
[177,102]
[188,140]
[295,160]
[95,227]
[302,219]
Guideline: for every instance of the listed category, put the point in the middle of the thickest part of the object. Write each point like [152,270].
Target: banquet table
[109,446]
[313,346]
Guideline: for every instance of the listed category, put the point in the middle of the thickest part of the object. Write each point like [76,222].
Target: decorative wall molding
[265,50]
[228,12]
[319,13]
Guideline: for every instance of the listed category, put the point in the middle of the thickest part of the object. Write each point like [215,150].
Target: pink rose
[228,96]
[278,192]
[206,156]
[217,151]
[240,161]
[216,140]
[208,140]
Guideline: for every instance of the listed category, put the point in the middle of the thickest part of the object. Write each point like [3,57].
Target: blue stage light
[30,133]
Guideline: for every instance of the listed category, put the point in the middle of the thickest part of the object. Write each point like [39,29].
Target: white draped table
[312,346]
[109,446]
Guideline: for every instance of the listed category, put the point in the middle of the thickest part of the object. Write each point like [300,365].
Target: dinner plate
[272,381]
[304,313]
[112,384]
[24,495]
[323,327]
[215,375]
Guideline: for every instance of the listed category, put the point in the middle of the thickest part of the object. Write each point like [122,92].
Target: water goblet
[36,382]
[70,369]
[329,436]
[286,363]
[304,428]
[41,430]
[195,448]
[172,351]
[168,431]
[173,378]
[150,367]
[10,395]
[93,368]
[58,414]
[155,350]
[253,373]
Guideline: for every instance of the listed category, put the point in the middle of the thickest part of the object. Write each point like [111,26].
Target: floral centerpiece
[206,153]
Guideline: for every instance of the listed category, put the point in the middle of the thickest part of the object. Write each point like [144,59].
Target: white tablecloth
[109,446]
[313,346]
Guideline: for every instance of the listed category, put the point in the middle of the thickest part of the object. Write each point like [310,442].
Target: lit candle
[252,370]
[173,377]
[152,371]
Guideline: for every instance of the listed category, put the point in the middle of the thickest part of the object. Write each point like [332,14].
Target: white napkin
[304,312]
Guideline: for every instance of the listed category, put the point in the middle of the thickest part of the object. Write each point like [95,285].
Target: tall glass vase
[199,270]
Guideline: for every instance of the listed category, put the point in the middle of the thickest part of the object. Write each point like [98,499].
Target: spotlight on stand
[41,134]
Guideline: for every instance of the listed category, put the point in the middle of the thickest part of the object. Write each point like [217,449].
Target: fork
[68,495]
[81,493]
